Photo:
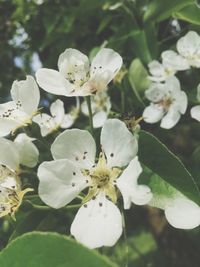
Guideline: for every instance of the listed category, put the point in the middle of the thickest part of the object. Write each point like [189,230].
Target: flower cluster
[81,169]
[168,102]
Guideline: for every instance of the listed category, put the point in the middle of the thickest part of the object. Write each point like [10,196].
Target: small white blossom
[195,111]
[76,77]
[189,48]
[101,106]
[57,119]
[20,152]
[171,63]
[168,102]
[98,222]
[19,112]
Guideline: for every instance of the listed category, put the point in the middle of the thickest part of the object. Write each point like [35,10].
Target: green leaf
[160,160]
[29,223]
[159,10]
[189,13]
[140,44]
[138,78]
[39,249]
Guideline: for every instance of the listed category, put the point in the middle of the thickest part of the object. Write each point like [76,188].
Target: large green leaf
[189,13]
[39,249]
[159,10]
[160,160]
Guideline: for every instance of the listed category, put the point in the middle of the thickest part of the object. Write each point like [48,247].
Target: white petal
[28,152]
[9,182]
[60,182]
[10,156]
[181,102]
[155,92]
[99,119]
[183,213]
[68,121]
[7,126]
[189,44]
[98,223]
[129,187]
[57,110]
[74,62]
[153,113]
[27,93]
[172,86]
[106,63]
[171,118]
[173,61]
[118,143]
[53,82]
[97,83]
[157,71]
[47,123]
[195,113]
[75,145]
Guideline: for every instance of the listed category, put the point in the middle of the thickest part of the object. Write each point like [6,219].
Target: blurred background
[34,32]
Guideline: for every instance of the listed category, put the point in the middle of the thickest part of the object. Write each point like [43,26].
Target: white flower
[101,106]
[195,111]
[19,112]
[180,211]
[171,63]
[57,119]
[76,77]
[189,48]
[98,222]
[20,152]
[168,102]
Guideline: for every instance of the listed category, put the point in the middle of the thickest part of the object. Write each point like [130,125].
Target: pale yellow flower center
[11,194]
[102,178]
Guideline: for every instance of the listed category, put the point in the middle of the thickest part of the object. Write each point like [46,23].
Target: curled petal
[128,185]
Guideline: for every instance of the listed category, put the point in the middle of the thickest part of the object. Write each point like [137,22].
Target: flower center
[101,178]
[166,102]
[11,194]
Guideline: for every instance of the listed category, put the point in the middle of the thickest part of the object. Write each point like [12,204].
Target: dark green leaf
[189,13]
[160,160]
[159,10]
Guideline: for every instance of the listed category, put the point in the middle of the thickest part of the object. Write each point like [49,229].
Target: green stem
[125,240]
[39,207]
[122,100]
[88,100]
